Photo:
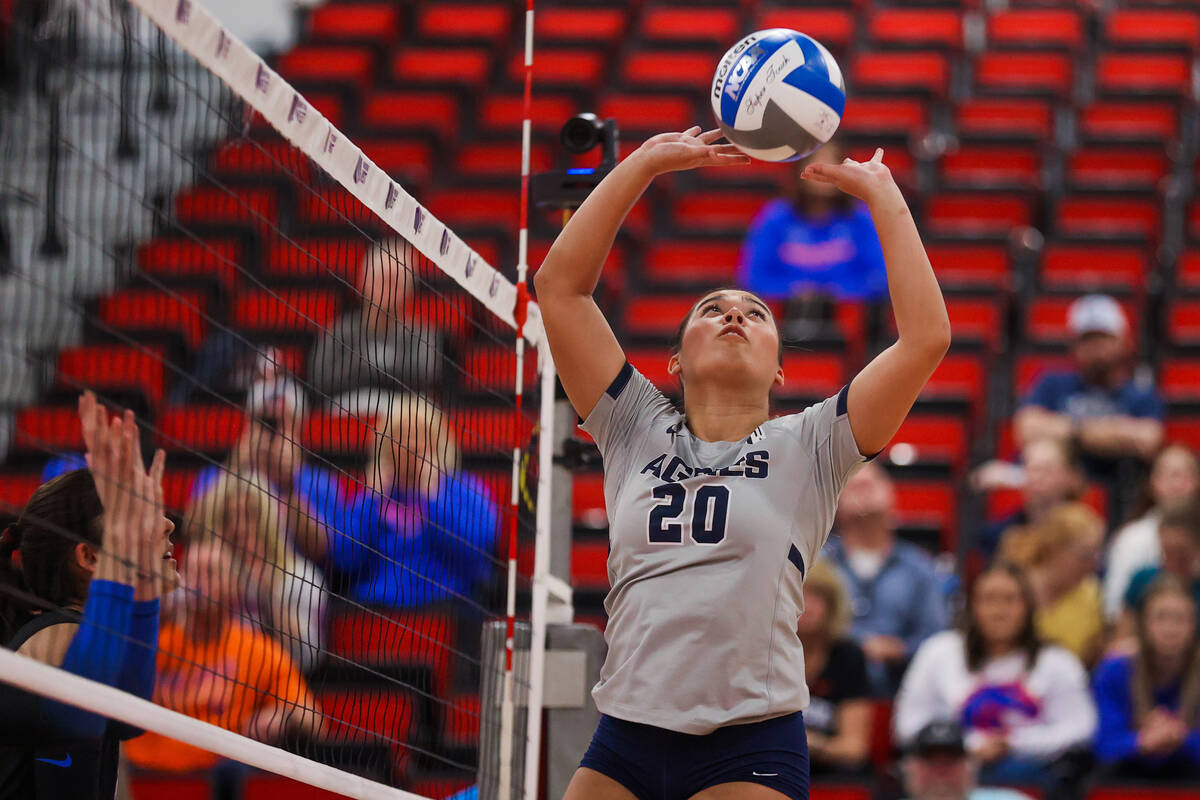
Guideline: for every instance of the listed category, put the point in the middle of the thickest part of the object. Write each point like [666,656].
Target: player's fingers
[692,131]
[729,159]
[708,137]
[157,467]
[812,173]
[878,157]
[724,149]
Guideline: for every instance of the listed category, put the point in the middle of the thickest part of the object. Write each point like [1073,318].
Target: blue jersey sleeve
[1147,403]
[1049,393]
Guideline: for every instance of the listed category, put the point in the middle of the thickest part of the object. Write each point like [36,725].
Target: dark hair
[1145,500]
[1185,517]
[37,550]
[1027,640]
[1142,680]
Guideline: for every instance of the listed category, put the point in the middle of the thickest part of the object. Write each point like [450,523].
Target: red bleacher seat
[677,69]
[171,787]
[713,25]
[462,66]
[408,160]
[561,67]
[1145,792]
[729,211]
[435,112]
[494,369]
[476,21]
[114,367]
[881,735]
[258,207]
[929,505]
[499,159]
[916,27]
[477,206]
[1184,429]
[201,428]
[657,314]
[460,721]
[1139,73]
[1032,367]
[309,257]
[653,364]
[396,637]
[1117,167]
[885,116]
[833,27]
[1179,380]
[991,166]
[48,429]
[589,565]
[976,320]
[210,258]
[1082,267]
[958,378]
[971,265]
[16,489]
[811,375]
[440,787]
[328,64]
[1194,221]
[649,113]
[1109,216]
[491,431]
[691,260]
[935,439]
[271,157]
[587,498]
[368,713]
[1005,117]
[177,488]
[1123,121]
[285,309]
[547,112]
[264,786]
[585,24]
[332,432]
[1183,323]
[1153,28]
[1187,271]
[367,21]
[1049,73]
[333,205]
[888,72]
[825,790]
[156,310]
[963,213]
[1046,319]
[1035,27]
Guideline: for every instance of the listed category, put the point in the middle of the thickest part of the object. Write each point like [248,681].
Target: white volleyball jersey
[709,543]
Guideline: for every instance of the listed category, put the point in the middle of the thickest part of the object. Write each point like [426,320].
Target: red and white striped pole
[507,708]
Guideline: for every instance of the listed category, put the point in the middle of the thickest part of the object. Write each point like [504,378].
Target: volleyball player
[80,576]
[716,512]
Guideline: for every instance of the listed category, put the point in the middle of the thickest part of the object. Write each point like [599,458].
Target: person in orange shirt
[215,667]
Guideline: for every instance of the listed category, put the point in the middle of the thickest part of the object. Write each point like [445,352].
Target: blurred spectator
[270,447]
[894,591]
[1148,701]
[1109,415]
[1050,474]
[1179,543]
[214,667]
[376,350]
[423,530]
[1174,480]
[813,245]
[937,767]
[285,592]
[1060,556]
[1024,704]
[838,717]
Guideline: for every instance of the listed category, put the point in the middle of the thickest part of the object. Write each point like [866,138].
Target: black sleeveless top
[38,759]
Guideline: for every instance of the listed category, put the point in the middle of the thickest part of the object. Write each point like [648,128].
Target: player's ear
[673,367]
[779,375]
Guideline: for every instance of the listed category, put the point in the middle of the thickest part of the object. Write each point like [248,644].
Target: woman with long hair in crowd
[1024,704]
[1149,701]
[81,573]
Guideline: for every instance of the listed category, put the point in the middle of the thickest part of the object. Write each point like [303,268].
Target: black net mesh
[338,416]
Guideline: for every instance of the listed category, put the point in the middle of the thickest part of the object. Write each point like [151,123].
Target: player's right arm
[586,352]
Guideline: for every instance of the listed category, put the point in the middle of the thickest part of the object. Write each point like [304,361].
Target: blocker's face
[730,336]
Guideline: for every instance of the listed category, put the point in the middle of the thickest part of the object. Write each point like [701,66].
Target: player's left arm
[882,394]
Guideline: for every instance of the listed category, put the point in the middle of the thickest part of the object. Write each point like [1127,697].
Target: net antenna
[190,27]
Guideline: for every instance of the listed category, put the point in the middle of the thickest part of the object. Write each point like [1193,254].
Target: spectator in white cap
[1099,406]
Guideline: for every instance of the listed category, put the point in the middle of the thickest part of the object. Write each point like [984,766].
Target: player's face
[1170,620]
[1174,477]
[729,335]
[999,607]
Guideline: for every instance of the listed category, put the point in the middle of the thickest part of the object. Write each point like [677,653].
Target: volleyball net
[357,436]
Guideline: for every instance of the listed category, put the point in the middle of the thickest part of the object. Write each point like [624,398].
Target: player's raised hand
[866,180]
[671,152]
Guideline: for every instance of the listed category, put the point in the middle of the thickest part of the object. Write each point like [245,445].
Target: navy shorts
[659,764]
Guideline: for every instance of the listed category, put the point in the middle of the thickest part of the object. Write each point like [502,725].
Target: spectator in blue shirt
[894,591]
[1098,405]
[423,530]
[813,244]
[1149,726]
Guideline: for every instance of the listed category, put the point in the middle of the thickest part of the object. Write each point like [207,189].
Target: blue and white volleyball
[778,95]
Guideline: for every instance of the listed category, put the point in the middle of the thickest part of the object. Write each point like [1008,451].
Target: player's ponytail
[36,552]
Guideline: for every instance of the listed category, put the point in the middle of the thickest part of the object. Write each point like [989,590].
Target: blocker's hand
[867,180]
[671,152]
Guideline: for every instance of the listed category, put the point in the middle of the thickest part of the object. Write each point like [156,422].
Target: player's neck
[866,537]
[718,415]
